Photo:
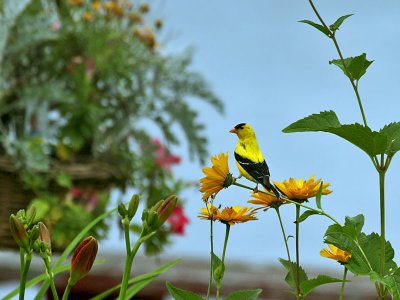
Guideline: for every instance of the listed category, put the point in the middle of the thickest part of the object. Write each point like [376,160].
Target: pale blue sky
[270,71]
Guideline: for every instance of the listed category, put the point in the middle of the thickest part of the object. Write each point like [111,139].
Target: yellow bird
[249,159]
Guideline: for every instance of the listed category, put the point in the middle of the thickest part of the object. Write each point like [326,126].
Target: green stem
[382,215]
[24,274]
[67,291]
[319,211]
[353,84]
[127,237]
[286,245]
[211,259]
[343,283]
[47,263]
[128,267]
[223,258]
[297,252]
[22,258]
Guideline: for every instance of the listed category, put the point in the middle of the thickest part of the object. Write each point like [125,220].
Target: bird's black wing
[259,171]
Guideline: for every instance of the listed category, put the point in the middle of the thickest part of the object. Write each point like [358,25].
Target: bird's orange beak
[233,130]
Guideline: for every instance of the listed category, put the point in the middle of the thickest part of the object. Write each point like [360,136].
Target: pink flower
[163,157]
[178,220]
[55,26]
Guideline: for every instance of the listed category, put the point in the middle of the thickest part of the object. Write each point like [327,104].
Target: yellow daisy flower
[336,254]
[236,214]
[265,200]
[96,5]
[302,189]
[87,16]
[217,177]
[208,213]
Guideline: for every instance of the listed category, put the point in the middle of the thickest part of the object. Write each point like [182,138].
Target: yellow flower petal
[336,254]
[216,176]
[302,189]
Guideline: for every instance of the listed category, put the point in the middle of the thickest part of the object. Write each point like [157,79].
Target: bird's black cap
[240,126]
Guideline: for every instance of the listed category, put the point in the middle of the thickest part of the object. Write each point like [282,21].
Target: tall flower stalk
[381,164]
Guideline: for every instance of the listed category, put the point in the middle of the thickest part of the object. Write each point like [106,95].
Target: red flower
[163,157]
[178,220]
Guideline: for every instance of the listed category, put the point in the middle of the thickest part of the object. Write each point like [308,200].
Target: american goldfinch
[249,159]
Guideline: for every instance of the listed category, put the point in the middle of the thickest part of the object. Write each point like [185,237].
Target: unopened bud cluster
[156,216]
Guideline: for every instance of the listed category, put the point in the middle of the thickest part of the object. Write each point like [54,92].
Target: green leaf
[42,277]
[64,180]
[292,266]
[244,295]
[315,122]
[218,268]
[319,194]
[180,294]
[71,247]
[392,132]
[371,142]
[335,26]
[356,66]
[138,281]
[320,27]
[147,278]
[306,214]
[364,249]
[307,286]
[392,282]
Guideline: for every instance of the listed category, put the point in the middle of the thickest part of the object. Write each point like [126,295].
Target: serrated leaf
[306,214]
[392,282]
[319,27]
[307,286]
[350,238]
[315,122]
[392,132]
[319,195]
[338,22]
[356,223]
[356,66]
[371,142]
[289,279]
[179,294]
[244,295]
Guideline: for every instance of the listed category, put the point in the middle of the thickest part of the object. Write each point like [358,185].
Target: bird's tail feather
[271,187]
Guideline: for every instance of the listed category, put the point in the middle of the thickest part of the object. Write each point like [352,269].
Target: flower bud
[30,215]
[122,210]
[44,236]
[165,209]
[34,233]
[18,232]
[133,206]
[82,259]
[150,219]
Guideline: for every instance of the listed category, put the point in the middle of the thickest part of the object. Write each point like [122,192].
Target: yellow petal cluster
[236,214]
[302,189]
[265,200]
[209,213]
[216,176]
[229,215]
[336,254]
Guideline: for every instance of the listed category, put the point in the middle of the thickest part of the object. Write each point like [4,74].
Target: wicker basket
[14,197]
